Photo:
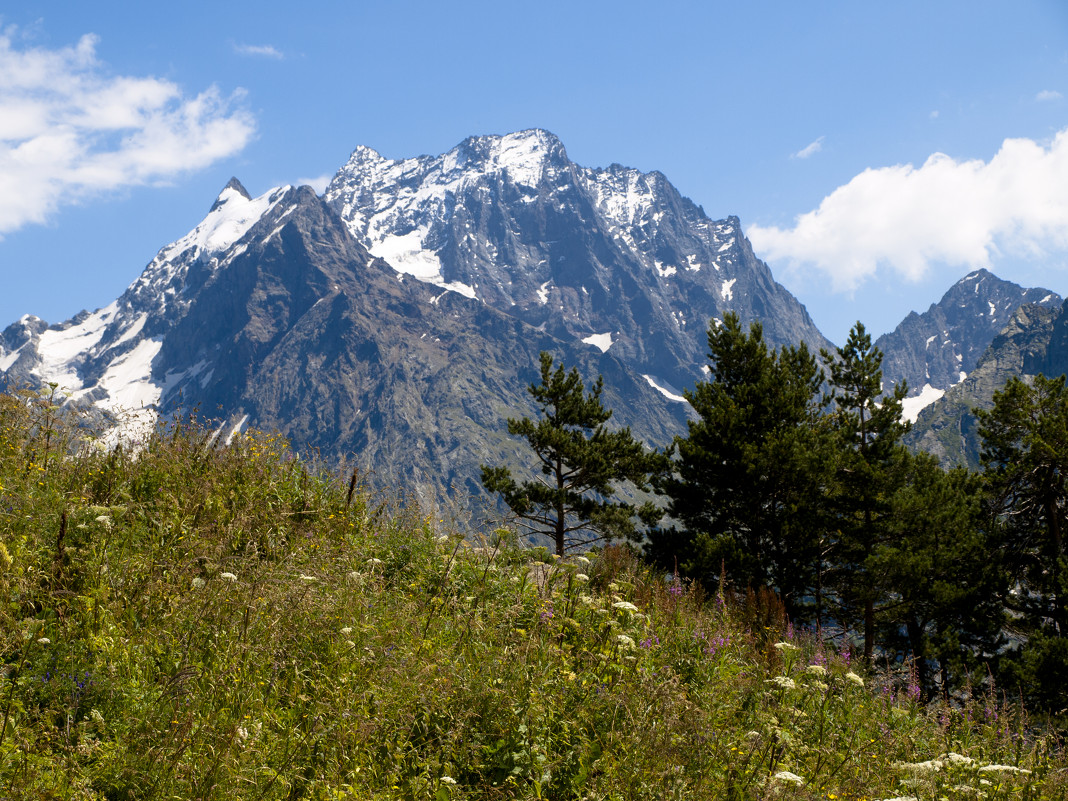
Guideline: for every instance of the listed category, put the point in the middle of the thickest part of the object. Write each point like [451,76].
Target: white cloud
[69,129]
[1048,94]
[319,184]
[934,114]
[951,213]
[267,51]
[810,149]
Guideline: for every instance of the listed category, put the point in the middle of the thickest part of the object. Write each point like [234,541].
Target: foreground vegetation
[203,621]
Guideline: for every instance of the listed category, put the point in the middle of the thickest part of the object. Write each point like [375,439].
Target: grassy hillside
[226,622]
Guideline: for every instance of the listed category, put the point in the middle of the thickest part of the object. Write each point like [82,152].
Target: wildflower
[786,646]
[198,583]
[347,630]
[1002,769]
[228,576]
[105,521]
[581,577]
[305,577]
[353,577]
[373,561]
[816,670]
[958,759]
[242,733]
[787,776]
[43,641]
[930,766]
[624,641]
[783,681]
[853,677]
[582,560]
[625,606]
[448,780]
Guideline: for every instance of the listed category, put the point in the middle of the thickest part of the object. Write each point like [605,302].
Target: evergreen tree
[870,429]
[943,585]
[580,464]
[746,482]
[1025,453]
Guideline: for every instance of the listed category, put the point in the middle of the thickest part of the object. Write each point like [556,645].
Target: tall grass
[195,621]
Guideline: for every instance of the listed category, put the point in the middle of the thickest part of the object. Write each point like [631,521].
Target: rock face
[1035,340]
[938,349]
[397,321]
[612,257]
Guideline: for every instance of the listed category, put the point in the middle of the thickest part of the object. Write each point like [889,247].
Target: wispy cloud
[946,212]
[264,51]
[810,149]
[1048,94]
[319,184]
[69,129]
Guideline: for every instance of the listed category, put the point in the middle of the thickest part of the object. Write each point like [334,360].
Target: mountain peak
[523,155]
[233,188]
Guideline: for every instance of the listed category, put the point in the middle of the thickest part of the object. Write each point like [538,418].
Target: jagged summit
[232,186]
[937,350]
[612,257]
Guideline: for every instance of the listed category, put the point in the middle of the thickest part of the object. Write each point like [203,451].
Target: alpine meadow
[406,401]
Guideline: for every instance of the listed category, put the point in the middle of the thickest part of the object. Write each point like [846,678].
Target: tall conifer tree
[870,428]
[580,465]
[746,481]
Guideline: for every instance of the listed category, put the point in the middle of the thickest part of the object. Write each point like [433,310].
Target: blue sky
[875,153]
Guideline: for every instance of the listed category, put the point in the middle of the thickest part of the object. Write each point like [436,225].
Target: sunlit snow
[543,293]
[601,341]
[667,393]
[911,407]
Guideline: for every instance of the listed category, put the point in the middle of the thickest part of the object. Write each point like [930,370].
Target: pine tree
[1025,453]
[943,581]
[746,481]
[581,465]
[870,429]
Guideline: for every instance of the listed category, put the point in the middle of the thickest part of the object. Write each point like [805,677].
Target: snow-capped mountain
[272,314]
[614,257]
[109,357]
[937,350]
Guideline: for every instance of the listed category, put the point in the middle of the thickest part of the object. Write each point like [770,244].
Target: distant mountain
[397,321]
[1035,340]
[938,349]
